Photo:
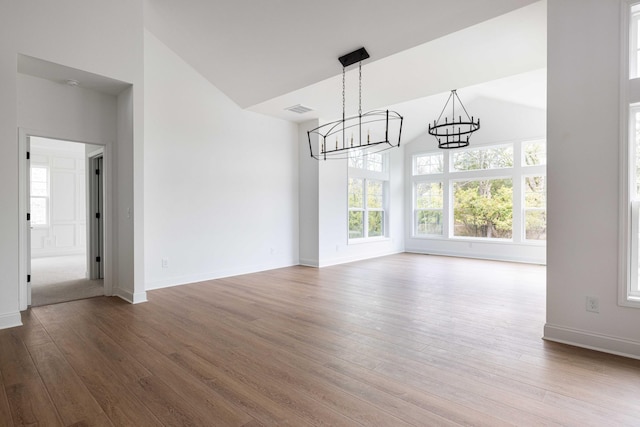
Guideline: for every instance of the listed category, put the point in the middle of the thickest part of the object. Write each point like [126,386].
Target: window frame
[451,218]
[448,177]
[414,163]
[452,168]
[416,209]
[628,286]
[367,175]
[46,198]
[526,209]
[633,51]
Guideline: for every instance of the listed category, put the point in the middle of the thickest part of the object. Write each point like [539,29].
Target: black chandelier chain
[359,91]
[343,93]
[359,88]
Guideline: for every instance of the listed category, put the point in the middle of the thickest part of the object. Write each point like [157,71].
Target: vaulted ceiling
[267,55]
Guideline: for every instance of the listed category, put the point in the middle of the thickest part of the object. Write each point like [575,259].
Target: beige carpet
[60,279]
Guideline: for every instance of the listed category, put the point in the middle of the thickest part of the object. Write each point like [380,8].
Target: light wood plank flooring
[404,340]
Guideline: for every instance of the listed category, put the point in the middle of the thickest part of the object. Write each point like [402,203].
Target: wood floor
[404,340]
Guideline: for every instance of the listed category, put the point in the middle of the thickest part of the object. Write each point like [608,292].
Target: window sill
[368,240]
[481,240]
[630,301]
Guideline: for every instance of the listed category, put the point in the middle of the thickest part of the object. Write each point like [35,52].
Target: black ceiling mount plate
[353,57]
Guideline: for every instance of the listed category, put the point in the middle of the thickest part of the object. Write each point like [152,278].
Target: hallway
[62,278]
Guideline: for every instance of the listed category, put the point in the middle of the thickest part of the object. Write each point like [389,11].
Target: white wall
[104,38]
[501,122]
[221,193]
[334,246]
[324,237]
[55,108]
[583,177]
[308,170]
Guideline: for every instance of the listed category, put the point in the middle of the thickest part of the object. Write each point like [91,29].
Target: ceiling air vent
[300,109]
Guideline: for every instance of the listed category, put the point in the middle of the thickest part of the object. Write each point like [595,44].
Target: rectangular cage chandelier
[375,130]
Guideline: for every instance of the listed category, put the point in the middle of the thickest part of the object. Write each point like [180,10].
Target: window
[632,290]
[375,162]
[484,158]
[425,164]
[483,208]
[368,182]
[471,194]
[629,293]
[534,153]
[634,42]
[429,199]
[39,196]
[535,208]
[374,208]
[356,208]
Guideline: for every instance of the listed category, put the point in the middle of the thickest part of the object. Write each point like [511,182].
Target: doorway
[65,199]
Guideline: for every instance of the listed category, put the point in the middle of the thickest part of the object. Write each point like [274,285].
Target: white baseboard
[592,341]
[10,320]
[309,262]
[53,254]
[476,255]
[129,297]
[217,274]
[327,262]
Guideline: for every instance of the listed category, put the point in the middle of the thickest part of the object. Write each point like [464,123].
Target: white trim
[385,186]
[23,133]
[309,263]
[624,159]
[633,260]
[516,173]
[23,230]
[353,258]
[131,298]
[10,320]
[222,273]
[599,342]
[477,255]
[628,94]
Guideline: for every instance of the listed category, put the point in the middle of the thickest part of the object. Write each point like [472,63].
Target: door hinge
[28,155]
[97,215]
[97,171]
[28,217]
[97,259]
[28,278]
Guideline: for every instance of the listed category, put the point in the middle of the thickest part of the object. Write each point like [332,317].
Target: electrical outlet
[593,305]
[165,263]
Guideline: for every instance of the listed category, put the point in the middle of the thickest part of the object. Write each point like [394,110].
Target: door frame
[24,257]
[24,230]
[95,205]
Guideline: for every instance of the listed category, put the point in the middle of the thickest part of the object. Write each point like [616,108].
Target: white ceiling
[270,55]
[267,55]
[59,73]
[255,51]
[508,45]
